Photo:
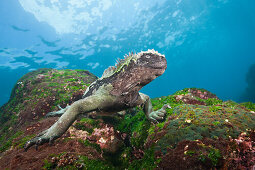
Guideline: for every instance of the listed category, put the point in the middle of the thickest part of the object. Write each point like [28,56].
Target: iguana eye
[147,56]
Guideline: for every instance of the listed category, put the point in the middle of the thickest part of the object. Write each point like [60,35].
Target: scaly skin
[116,91]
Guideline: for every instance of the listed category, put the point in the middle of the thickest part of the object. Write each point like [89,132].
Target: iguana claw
[39,140]
[155,116]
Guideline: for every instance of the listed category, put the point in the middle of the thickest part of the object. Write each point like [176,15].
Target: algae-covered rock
[194,122]
[203,135]
[40,91]
[34,95]
[200,131]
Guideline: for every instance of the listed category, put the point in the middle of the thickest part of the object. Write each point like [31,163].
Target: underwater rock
[195,96]
[194,122]
[207,153]
[197,136]
[40,91]
[34,95]
[200,131]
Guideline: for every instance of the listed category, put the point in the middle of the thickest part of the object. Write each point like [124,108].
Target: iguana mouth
[159,65]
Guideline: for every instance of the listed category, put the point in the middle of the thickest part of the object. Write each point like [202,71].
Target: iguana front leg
[153,116]
[82,106]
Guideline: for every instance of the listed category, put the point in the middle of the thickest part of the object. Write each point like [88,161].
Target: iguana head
[152,60]
[136,70]
[149,65]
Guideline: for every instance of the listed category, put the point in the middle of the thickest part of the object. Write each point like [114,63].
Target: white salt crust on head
[152,51]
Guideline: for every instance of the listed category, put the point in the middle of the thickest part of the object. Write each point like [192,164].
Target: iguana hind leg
[82,106]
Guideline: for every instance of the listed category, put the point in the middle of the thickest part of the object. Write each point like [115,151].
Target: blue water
[208,44]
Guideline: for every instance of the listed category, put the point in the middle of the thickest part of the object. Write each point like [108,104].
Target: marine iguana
[117,90]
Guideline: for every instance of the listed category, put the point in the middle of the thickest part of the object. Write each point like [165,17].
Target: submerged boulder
[195,96]
[40,91]
[204,135]
[200,131]
[193,122]
[34,95]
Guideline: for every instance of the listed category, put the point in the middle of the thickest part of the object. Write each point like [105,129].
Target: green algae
[87,124]
[21,142]
[82,162]
[16,140]
[93,145]
[7,144]
[136,126]
[214,155]
[249,105]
